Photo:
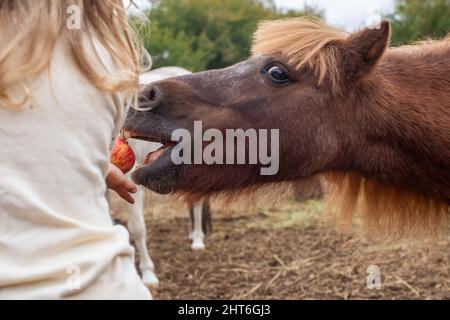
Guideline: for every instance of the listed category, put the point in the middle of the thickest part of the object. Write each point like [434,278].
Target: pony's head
[372,122]
[297,81]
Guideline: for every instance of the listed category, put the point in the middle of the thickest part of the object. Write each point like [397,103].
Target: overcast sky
[347,14]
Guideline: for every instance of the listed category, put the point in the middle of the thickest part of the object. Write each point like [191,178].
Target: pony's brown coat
[384,209]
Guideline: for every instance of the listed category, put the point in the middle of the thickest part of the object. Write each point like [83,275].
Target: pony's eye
[277,75]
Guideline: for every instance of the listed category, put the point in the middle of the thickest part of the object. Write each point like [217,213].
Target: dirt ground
[284,253]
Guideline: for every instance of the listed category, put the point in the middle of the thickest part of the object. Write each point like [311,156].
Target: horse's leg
[191,217]
[197,235]
[206,217]
[138,234]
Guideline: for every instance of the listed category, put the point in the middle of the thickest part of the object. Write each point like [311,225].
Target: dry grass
[285,253]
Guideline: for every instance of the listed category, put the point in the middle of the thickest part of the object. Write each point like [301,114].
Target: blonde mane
[304,42]
[383,211]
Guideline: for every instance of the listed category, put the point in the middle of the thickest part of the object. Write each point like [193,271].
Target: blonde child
[63,92]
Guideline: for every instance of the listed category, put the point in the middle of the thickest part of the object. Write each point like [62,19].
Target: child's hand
[119,182]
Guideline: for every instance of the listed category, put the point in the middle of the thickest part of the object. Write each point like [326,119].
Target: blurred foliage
[420,19]
[205,34]
[209,34]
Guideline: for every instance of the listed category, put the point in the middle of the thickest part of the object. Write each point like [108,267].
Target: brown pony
[372,121]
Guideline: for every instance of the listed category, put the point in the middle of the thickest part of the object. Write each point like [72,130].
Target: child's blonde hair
[31,28]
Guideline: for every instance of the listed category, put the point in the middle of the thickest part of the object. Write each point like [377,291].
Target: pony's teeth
[125,135]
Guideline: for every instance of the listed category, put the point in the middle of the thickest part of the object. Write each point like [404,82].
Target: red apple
[122,155]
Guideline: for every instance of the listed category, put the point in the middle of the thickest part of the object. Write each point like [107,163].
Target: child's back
[56,236]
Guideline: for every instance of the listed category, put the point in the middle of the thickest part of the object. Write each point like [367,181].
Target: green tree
[205,34]
[420,19]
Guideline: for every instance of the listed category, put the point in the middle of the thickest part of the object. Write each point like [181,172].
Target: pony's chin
[161,175]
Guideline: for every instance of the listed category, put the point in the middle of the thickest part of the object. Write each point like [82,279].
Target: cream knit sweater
[57,239]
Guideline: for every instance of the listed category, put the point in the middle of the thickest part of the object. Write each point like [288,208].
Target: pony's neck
[405,108]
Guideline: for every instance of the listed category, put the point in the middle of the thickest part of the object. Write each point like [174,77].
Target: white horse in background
[136,222]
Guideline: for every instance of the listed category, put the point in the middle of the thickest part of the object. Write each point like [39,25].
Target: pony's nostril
[142,98]
[148,97]
[151,94]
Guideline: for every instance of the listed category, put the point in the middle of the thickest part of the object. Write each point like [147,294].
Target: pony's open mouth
[157,172]
[152,156]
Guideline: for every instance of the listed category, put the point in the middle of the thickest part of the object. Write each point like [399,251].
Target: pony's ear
[363,49]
